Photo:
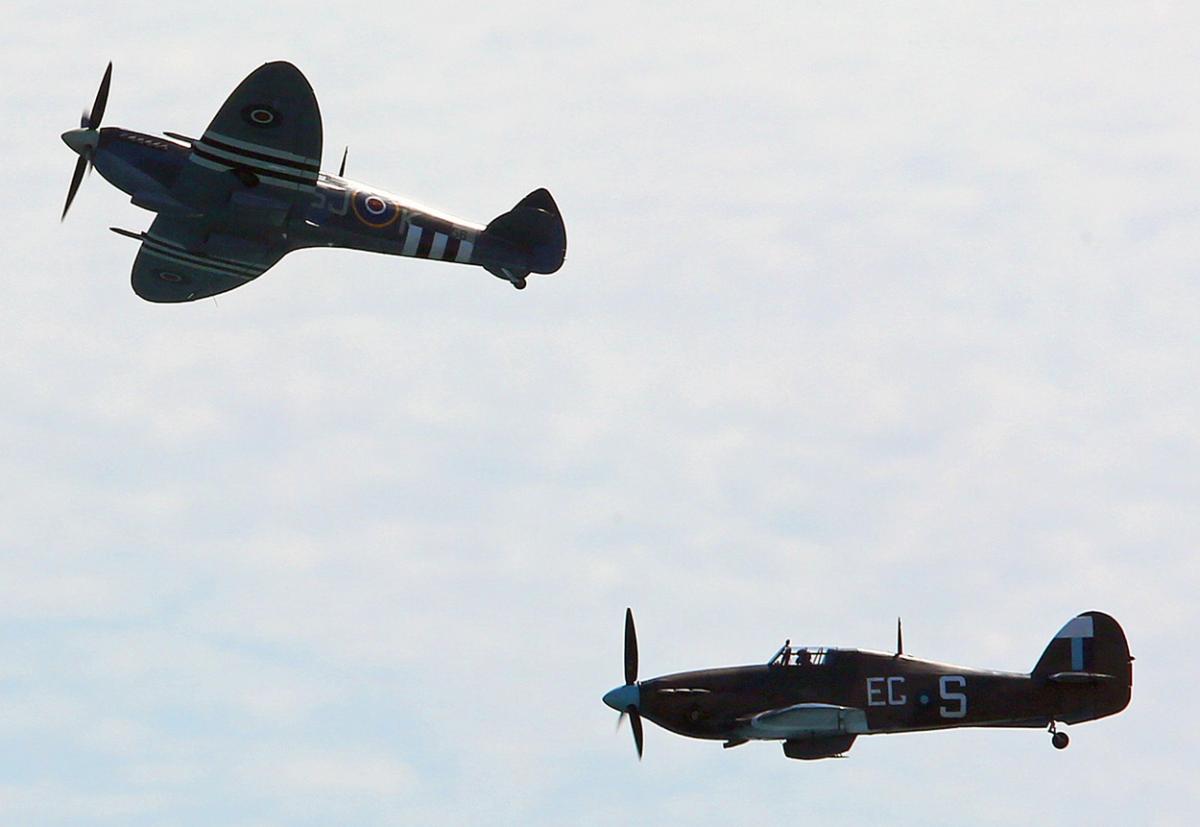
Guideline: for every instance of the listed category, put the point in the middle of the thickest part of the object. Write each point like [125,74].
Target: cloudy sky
[869,310]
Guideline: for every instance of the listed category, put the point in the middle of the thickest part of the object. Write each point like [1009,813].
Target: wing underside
[179,262]
[267,136]
[255,165]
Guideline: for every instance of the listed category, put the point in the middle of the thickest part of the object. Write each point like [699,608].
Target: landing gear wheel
[519,284]
[1060,740]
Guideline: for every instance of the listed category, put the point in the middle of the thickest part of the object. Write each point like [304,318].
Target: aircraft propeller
[85,139]
[625,698]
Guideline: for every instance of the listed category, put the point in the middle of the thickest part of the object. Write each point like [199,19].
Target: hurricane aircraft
[249,190]
[818,700]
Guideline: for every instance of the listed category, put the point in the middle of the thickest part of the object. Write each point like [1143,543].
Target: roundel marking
[174,278]
[373,210]
[924,699]
[261,115]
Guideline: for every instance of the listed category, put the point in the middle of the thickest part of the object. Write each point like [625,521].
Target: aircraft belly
[126,177]
[252,208]
[158,200]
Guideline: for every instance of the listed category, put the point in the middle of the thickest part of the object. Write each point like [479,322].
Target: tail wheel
[1060,740]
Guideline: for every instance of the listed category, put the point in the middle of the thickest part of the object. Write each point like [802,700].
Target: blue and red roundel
[374,210]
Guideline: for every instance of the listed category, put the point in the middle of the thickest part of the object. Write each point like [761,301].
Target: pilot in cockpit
[787,656]
[799,656]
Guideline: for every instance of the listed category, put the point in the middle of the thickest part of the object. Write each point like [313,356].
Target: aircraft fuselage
[895,693]
[340,212]
[818,700]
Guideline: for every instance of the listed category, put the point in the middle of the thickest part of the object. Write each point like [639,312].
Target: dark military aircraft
[817,700]
[249,190]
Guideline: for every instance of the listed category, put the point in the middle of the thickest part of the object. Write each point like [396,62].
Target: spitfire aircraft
[249,190]
[817,700]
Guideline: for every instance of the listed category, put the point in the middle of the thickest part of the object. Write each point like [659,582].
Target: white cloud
[323,773]
[867,312]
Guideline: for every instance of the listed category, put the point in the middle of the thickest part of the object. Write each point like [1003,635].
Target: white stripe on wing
[266,150]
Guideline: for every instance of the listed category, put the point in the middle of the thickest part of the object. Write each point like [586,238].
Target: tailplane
[529,238]
[1090,651]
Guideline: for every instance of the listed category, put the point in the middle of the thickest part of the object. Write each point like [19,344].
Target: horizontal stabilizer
[1080,677]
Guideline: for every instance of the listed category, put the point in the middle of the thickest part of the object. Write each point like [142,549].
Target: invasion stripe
[216,263]
[259,156]
[256,168]
[439,245]
[234,268]
[451,249]
[464,252]
[176,247]
[411,240]
[425,245]
[266,177]
[240,158]
[200,265]
[274,154]
[191,261]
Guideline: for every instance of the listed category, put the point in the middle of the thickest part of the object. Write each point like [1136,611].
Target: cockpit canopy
[789,655]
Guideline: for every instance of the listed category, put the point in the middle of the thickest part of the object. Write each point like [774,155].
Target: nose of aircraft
[81,139]
[623,697]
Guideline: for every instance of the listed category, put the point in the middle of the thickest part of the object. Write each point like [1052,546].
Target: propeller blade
[620,720]
[631,652]
[97,113]
[342,168]
[635,720]
[80,166]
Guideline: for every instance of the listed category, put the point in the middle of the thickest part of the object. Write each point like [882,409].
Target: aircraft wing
[266,138]
[181,260]
[809,720]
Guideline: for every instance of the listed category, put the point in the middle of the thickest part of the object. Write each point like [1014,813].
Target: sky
[869,310]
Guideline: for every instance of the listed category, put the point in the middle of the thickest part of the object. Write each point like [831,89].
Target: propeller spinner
[85,139]
[625,698]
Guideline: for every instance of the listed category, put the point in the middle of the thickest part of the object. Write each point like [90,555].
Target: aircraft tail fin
[529,238]
[1090,650]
